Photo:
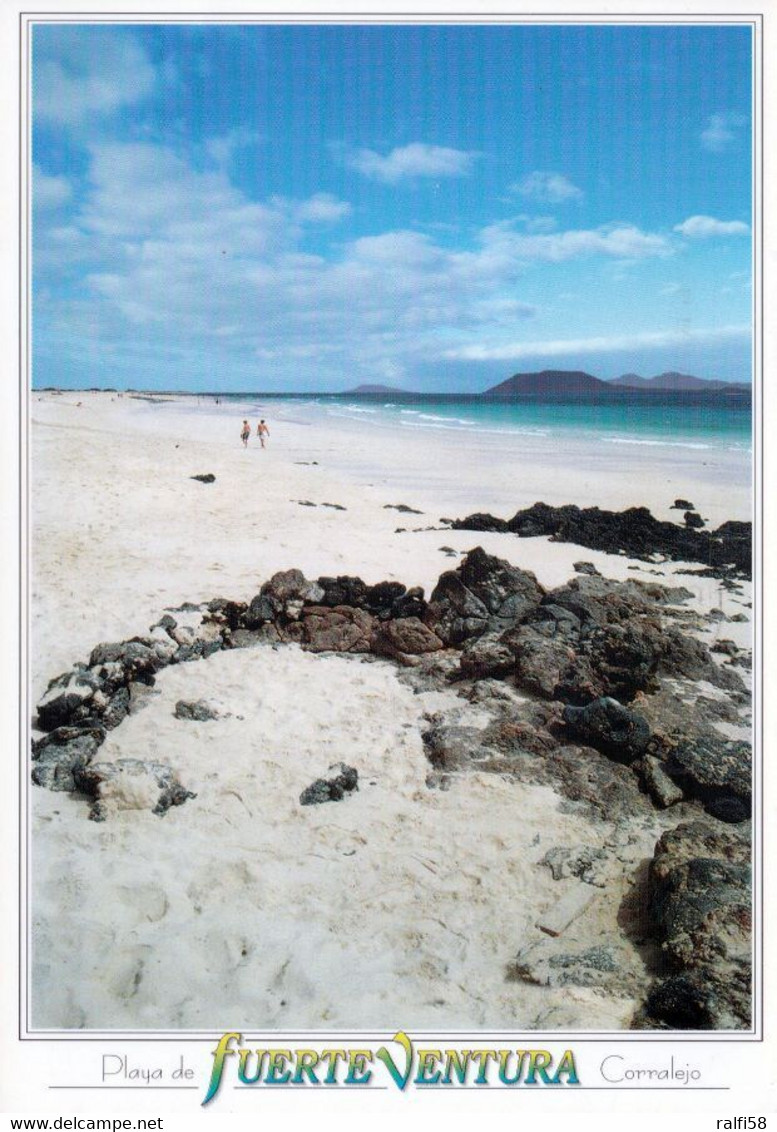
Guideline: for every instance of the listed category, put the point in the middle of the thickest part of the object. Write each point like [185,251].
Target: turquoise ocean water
[687,422]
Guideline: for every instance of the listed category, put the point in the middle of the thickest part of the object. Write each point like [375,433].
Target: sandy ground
[241,908]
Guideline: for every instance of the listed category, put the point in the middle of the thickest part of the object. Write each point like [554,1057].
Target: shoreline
[121,532]
[111,493]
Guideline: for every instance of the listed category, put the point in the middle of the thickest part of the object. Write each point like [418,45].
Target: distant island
[557,384]
[373,389]
[677,382]
[548,381]
[560,385]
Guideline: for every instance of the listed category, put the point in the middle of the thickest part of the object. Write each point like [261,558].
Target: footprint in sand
[147,902]
[126,969]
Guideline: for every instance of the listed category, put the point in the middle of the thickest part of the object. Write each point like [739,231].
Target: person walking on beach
[244,435]
[261,431]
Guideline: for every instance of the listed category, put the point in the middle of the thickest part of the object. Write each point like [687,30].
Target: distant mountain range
[561,384]
[576,383]
[675,381]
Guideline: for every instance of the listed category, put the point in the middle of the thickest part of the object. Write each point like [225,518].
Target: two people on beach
[262,431]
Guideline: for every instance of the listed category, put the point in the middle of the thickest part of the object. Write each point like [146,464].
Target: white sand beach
[400,905]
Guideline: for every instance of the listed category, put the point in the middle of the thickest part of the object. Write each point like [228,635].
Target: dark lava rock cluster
[700,883]
[591,690]
[635,532]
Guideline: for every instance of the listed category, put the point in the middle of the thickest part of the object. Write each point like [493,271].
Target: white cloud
[721,130]
[79,74]
[511,351]
[504,310]
[160,243]
[322,208]
[49,191]
[223,147]
[549,188]
[410,162]
[624,241]
[701,227]
[535,224]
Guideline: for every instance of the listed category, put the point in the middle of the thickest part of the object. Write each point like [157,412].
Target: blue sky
[311,207]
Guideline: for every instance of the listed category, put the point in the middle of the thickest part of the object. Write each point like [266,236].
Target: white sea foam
[475,431]
[433,417]
[654,443]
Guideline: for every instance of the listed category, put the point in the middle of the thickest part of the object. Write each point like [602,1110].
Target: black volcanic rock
[344,590]
[482,521]
[484,592]
[700,889]
[382,597]
[195,710]
[609,727]
[454,612]
[547,668]
[496,582]
[717,772]
[410,604]
[343,781]
[634,532]
[62,753]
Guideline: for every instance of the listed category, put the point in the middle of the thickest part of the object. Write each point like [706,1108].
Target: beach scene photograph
[391,428]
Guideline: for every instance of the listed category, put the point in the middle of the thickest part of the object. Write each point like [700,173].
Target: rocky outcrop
[715,771]
[454,613]
[484,593]
[610,728]
[591,688]
[339,629]
[588,648]
[450,747]
[505,590]
[60,755]
[634,532]
[700,886]
[283,597]
[588,639]
[404,639]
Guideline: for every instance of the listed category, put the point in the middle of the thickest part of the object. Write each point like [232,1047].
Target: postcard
[386,423]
